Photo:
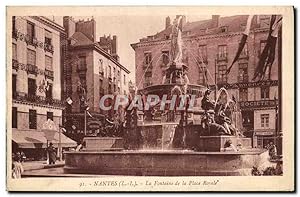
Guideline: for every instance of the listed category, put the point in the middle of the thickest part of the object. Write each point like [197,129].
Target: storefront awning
[37,139]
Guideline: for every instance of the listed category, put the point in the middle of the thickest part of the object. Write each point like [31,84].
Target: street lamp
[86,108]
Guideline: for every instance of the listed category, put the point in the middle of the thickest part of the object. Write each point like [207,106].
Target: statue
[176,42]
[206,103]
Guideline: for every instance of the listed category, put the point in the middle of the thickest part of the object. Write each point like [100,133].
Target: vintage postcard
[168,98]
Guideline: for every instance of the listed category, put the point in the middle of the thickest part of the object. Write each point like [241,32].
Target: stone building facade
[35,66]
[93,64]
[215,42]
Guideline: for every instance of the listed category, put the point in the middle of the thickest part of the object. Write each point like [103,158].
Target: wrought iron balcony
[32,69]
[48,47]
[15,64]
[38,100]
[49,74]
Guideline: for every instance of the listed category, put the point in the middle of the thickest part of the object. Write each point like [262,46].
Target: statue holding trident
[176,41]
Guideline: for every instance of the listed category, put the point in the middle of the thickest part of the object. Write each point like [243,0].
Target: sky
[129,29]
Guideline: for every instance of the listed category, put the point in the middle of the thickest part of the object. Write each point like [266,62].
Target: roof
[205,27]
[79,39]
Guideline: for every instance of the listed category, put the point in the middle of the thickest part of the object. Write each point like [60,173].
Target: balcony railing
[15,64]
[49,74]
[32,69]
[39,100]
[48,47]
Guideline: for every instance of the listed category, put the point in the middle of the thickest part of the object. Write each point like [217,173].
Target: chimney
[88,28]
[215,21]
[69,25]
[114,45]
[168,22]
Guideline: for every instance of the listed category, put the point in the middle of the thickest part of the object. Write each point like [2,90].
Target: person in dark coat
[52,154]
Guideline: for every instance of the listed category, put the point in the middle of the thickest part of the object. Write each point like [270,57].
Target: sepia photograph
[150,98]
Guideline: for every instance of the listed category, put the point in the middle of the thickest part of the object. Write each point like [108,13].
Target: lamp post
[86,108]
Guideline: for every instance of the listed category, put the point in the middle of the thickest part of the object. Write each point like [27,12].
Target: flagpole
[278,114]
[84,122]
[216,86]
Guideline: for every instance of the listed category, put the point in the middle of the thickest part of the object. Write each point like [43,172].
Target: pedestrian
[272,150]
[17,168]
[52,153]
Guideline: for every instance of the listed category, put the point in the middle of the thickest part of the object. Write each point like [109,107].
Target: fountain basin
[163,163]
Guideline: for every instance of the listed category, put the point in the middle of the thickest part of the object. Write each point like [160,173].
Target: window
[147,81]
[148,58]
[49,91]
[32,119]
[31,57]
[222,74]
[243,72]
[48,62]
[109,89]
[124,79]
[30,31]
[109,71]
[14,23]
[14,51]
[101,66]
[223,29]
[262,45]
[48,37]
[31,87]
[243,92]
[203,52]
[264,118]
[165,57]
[222,52]
[202,75]
[50,115]
[82,63]
[101,91]
[14,86]
[14,117]
[265,92]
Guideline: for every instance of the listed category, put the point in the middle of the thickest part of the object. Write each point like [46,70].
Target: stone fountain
[190,142]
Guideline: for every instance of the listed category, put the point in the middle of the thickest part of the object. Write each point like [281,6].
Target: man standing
[52,154]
